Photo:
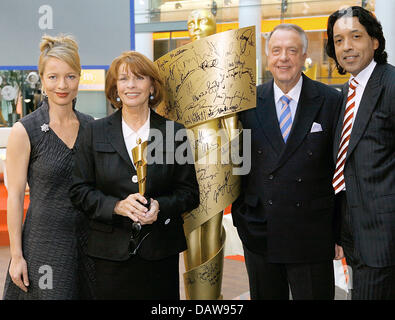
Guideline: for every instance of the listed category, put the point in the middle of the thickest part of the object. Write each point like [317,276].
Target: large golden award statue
[207,82]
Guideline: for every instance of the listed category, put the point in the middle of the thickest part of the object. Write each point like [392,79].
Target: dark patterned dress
[54,232]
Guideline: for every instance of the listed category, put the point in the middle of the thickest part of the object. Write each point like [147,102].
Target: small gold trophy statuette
[139,160]
[140,163]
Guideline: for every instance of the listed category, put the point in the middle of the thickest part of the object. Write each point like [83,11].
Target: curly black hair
[373,28]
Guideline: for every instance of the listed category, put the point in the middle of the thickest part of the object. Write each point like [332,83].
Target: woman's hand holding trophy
[141,210]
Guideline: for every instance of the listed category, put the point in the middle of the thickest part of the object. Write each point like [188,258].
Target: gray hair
[289,26]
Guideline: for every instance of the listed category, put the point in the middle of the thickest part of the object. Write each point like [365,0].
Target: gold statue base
[201,283]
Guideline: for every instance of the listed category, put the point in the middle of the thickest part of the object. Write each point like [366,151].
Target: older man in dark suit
[364,149]
[285,214]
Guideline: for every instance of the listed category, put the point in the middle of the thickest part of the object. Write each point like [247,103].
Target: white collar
[363,77]
[128,131]
[294,93]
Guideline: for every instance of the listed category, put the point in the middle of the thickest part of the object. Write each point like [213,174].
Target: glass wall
[311,15]
[20,90]
[20,94]
[228,10]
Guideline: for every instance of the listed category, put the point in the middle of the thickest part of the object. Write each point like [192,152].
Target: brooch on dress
[45,127]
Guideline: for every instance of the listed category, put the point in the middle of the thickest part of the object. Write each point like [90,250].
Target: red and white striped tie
[338,179]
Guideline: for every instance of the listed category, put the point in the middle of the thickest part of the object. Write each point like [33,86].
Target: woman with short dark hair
[130,262]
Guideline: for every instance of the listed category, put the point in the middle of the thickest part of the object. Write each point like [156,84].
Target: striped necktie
[338,179]
[285,120]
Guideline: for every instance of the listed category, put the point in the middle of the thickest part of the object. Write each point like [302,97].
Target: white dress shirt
[362,78]
[294,94]
[130,136]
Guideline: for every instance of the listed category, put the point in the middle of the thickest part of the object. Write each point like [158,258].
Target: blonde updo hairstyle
[62,47]
[138,64]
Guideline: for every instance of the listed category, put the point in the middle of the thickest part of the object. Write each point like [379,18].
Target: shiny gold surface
[201,23]
[218,188]
[230,123]
[205,138]
[204,282]
[139,160]
[193,256]
[210,78]
[207,82]
[228,10]
[213,240]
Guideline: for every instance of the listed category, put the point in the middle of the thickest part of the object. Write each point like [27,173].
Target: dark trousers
[368,283]
[273,281]
[137,279]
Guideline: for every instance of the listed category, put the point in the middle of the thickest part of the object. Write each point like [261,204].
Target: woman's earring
[151,96]
[118,99]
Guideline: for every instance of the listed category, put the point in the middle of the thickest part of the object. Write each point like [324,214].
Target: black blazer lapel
[267,116]
[309,104]
[155,141]
[157,122]
[368,103]
[155,146]
[116,137]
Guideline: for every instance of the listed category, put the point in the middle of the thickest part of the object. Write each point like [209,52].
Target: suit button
[271,177]
[310,153]
[270,202]
[299,180]
[298,204]
[167,221]
[135,179]
[260,151]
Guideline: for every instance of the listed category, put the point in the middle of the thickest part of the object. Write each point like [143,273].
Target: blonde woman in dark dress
[45,258]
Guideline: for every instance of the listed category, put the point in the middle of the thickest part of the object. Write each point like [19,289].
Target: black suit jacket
[369,170]
[286,209]
[103,175]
